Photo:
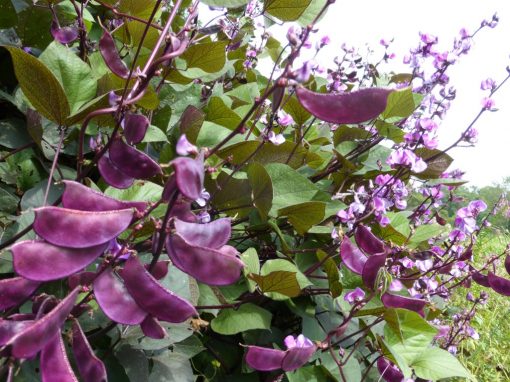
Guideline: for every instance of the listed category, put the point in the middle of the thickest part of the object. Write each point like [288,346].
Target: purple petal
[297,357]
[91,368]
[354,107]
[112,175]
[264,359]
[132,162]
[55,365]
[111,55]
[189,175]
[135,127]
[388,371]
[15,290]
[76,196]
[182,211]
[41,261]
[151,328]
[367,241]
[499,284]
[63,35]
[115,300]
[80,229]
[371,269]
[396,301]
[154,298]
[481,279]
[352,257]
[210,235]
[30,341]
[210,266]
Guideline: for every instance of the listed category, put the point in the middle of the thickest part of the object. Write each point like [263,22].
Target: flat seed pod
[264,359]
[55,365]
[15,290]
[346,108]
[111,55]
[207,265]
[352,257]
[481,279]
[388,371]
[499,284]
[30,341]
[189,175]
[297,357]
[112,175]
[135,127]
[152,296]
[38,260]
[80,229]
[91,368]
[371,269]
[210,235]
[151,328]
[115,300]
[63,35]
[76,196]
[9,328]
[132,162]
[396,301]
[367,241]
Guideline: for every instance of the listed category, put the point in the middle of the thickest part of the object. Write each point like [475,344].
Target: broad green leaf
[209,56]
[282,282]
[310,374]
[140,191]
[136,364]
[311,12]
[245,92]
[8,202]
[219,113]
[286,10]
[280,265]
[401,104]
[390,131]
[211,134]
[246,317]
[262,193]
[171,367]
[304,215]
[347,133]
[33,26]
[375,160]
[74,75]
[436,166]
[40,86]
[235,196]
[225,3]
[296,111]
[13,133]
[425,232]
[94,104]
[436,363]
[331,270]
[154,134]
[251,261]
[8,16]
[446,182]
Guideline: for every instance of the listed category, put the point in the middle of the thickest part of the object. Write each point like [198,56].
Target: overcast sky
[366,22]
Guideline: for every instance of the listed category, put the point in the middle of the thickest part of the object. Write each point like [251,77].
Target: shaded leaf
[247,317]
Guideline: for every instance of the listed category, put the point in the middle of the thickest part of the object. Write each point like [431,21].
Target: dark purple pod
[63,35]
[481,279]
[55,365]
[182,210]
[76,196]
[82,278]
[207,265]
[132,162]
[352,257]
[152,296]
[507,264]
[389,371]
[80,229]
[346,108]
[397,301]
[135,127]
[210,235]
[15,290]
[41,261]
[111,55]
[115,300]
[297,357]
[32,339]
[264,359]
[367,241]
[9,328]
[371,269]
[151,328]
[43,304]
[499,284]
[91,368]
[160,270]
[189,175]
[112,175]
[169,189]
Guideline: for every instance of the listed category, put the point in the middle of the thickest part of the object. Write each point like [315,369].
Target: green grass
[488,358]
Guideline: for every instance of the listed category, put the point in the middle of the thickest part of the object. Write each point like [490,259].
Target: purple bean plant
[303,214]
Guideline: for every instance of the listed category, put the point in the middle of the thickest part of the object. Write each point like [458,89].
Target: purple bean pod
[55,365]
[91,368]
[111,55]
[15,290]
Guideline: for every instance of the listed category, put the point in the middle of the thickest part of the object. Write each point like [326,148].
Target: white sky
[367,21]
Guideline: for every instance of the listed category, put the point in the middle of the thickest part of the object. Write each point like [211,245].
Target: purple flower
[428,38]
[488,103]
[297,342]
[325,40]
[355,296]
[488,84]
[396,286]
[275,139]
[285,119]
[184,147]
[303,74]
[407,158]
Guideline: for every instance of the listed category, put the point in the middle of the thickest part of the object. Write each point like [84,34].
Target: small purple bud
[356,295]
[184,147]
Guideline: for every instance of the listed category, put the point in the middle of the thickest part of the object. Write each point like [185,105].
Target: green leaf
[262,193]
[40,86]
[436,166]
[446,182]
[304,215]
[435,363]
[390,131]
[225,3]
[140,191]
[221,114]
[425,232]
[310,374]
[171,367]
[235,199]
[296,111]
[401,104]
[331,270]
[311,13]
[74,75]
[286,10]
[209,56]
[281,265]
[246,317]
[154,134]
[8,16]
[13,133]
[211,134]
[282,282]
[134,361]
[251,261]
[8,202]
